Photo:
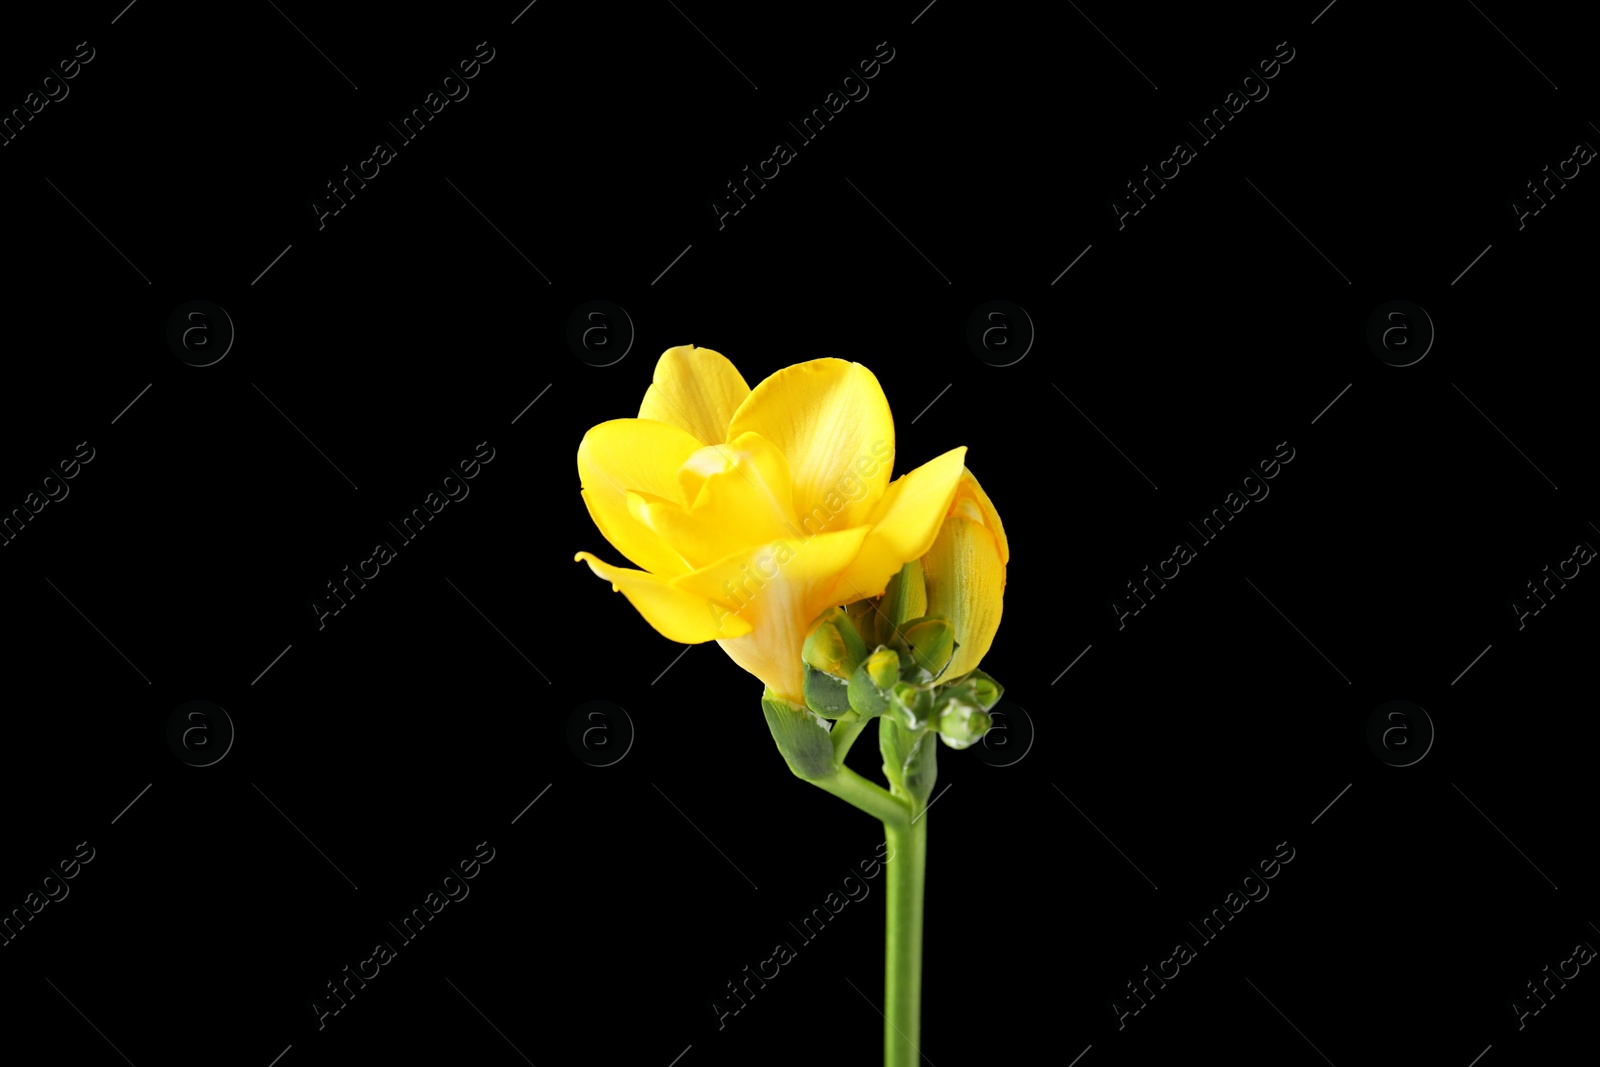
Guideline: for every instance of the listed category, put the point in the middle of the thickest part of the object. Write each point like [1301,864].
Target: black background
[428,714]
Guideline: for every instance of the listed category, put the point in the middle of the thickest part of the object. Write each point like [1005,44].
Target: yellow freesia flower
[965,573]
[749,512]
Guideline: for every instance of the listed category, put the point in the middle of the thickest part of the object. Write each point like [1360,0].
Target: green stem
[906,861]
[845,730]
[902,965]
[870,797]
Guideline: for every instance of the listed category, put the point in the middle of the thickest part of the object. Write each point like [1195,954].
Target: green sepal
[801,737]
[912,706]
[910,670]
[865,697]
[826,695]
[910,761]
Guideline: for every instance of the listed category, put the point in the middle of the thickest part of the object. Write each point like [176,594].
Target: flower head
[750,512]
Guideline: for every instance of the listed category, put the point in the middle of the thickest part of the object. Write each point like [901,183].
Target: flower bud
[905,597]
[883,667]
[932,642]
[871,682]
[833,646]
[863,615]
[961,723]
[985,690]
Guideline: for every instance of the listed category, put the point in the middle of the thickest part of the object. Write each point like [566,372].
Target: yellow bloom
[751,511]
[965,572]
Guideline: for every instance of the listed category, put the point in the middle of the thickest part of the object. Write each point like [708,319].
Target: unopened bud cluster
[886,657]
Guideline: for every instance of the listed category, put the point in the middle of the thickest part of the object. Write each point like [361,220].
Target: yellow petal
[905,523]
[831,421]
[738,498]
[777,589]
[972,502]
[696,390]
[677,614]
[639,455]
[965,573]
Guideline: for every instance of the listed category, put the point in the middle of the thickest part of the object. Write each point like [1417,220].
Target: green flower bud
[913,705]
[961,723]
[833,646]
[905,597]
[883,667]
[863,614]
[985,690]
[932,642]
